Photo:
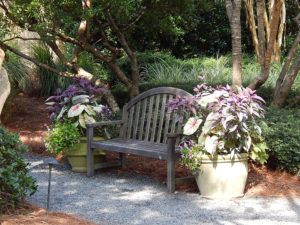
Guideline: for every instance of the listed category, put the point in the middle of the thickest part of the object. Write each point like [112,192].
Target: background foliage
[283,139]
[15,183]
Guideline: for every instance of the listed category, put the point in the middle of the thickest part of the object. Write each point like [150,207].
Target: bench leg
[90,162]
[122,158]
[90,153]
[171,165]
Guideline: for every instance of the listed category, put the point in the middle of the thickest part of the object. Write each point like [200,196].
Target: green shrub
[15,183]
[62,137]
[49,81]
[283,139]
[17,71]
[87,62]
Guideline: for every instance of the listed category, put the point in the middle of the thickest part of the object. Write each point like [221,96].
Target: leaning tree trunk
[281,95]
[4,82]
[233,8]
[288,73]
[260,32]
[265,68]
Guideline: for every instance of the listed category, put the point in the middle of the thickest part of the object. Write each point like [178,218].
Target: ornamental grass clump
[223,121]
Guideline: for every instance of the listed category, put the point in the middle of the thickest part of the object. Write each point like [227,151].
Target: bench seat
[136,147]
[148,128]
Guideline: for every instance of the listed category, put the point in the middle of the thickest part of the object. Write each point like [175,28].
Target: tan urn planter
[77,156]
[222,177]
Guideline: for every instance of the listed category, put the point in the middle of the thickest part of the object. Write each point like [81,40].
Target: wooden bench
[147,129]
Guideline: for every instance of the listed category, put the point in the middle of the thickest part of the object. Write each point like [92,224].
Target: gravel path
[108,198]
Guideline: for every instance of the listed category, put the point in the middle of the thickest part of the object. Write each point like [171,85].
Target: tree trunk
[4,82]
[287,75]
[287,83]
[277,50]
[264,15]
[252,25]
[261,30]
[265,69]
[233,8]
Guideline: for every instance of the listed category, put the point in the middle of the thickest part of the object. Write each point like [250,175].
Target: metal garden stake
[51,163]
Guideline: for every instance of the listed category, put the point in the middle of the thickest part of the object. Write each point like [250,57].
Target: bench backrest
[146,116]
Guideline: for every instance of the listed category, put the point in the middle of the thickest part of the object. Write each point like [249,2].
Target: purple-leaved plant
[223,121]
[78,103]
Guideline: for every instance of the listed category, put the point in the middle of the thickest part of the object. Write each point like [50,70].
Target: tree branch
[21,38]
[34,61]
[120,35]
[134,21]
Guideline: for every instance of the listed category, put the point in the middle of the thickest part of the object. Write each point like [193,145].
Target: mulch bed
[33,215]
[29,118]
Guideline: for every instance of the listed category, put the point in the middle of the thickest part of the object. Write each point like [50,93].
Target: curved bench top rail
[156,91]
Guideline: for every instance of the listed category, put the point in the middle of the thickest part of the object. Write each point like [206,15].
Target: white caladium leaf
[98,108]
[226,120]
[76,110]
[248,143]
[221,145]
[211,143]
[80,99]
[62,111]
[82,121]
[88,119]
[192,125]
[50,103]
[76,124]
[211,98]
[90,110]
[208,124]
[232,129]
[202,138]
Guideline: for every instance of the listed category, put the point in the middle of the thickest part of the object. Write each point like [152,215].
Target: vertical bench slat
[154,124]
[162,117]
[124,120]
[173,123]
[167,122]
[136,120]
[144,107]
[129,129]
[149,117]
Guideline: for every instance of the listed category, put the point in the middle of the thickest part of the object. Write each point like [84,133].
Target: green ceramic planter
[77,156]
[222,177]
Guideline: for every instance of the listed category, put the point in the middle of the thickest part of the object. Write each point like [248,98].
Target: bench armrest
[104,123]
[174,135]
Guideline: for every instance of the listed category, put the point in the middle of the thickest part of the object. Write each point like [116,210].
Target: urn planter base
[77,156]
[222,177]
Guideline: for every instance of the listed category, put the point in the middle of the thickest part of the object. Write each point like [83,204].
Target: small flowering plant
[223,121]
[78,104]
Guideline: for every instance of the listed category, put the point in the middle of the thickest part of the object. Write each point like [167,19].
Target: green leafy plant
[62,137]
[283,139]
[49,81]
[79,104]
[15,183]
[224,121]
[18,72]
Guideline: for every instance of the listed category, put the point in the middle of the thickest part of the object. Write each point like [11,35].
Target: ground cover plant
[15,183]
[283,139]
